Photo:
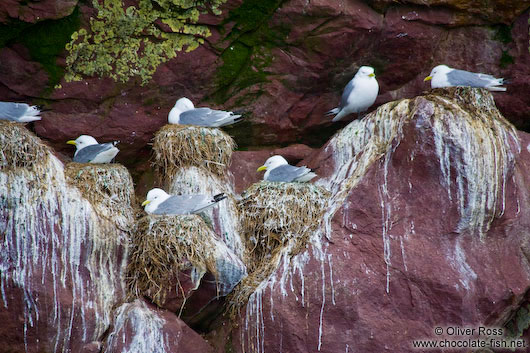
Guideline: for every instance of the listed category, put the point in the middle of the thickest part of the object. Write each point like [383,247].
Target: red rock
[395,261]
[140,327]
[494,11]
[35,11]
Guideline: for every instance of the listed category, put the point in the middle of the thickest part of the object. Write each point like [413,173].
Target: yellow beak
[427,78]
[145,202]
[371,75]
[71,142]
[262,168]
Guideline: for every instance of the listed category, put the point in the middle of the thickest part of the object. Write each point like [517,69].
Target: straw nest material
[277,213]
[275,217]
[108,187]
[19,148]
[162,246]
[178,146]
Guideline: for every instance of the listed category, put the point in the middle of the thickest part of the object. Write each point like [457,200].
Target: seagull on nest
[160,202]
[88,150]
[277,169]
[19,112]
[185,113]
[444,76]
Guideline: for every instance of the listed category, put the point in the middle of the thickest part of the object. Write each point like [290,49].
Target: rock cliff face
[427,223]
[426,210]
[284,63]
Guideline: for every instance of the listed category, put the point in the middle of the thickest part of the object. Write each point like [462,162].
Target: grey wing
[87,154]
[203,117]
[12,111]
[471,79]
[346,94]
[287,173]
[182,204]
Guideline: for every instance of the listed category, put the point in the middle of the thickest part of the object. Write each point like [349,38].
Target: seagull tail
[219,197]
[332,111]
[496,89]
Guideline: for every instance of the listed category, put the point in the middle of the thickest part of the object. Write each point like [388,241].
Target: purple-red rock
[401,254]
[141,327]
[35,11]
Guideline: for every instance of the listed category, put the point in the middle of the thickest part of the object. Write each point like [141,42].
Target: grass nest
[162,246]
[108,187]
[275,217]
[177,146]
[19,148]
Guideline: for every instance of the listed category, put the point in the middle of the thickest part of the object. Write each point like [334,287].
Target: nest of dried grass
[178,146]
[277,213]
[162,246]
[108,187]
[19,148]
[275,217]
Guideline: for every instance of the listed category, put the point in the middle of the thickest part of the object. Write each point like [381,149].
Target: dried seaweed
[108,187]
[177,146]
[275,217]
[162,246]
[19,148]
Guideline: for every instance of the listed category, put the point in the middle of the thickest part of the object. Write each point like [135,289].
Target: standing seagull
[160,202]
[277,169]
[185,113]
[444,76]
[358,95]
[88,150]
[19,112]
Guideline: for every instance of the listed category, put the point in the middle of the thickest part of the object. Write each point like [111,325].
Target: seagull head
[154,198]
[273,162]
[184,104]
[82,141]
[366,71]
[438,76]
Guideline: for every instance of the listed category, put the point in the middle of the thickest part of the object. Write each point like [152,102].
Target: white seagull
[277,169]
[160,202]
[88,150]
[358,95]
[185,113]
[444,76]
[19,112]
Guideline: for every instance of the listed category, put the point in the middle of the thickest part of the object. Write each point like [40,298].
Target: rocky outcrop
[139,327]
[427,226]
[284,70]
[62,261]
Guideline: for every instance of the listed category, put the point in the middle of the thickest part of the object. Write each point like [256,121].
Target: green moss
[520,322]
[503,34]
[123,43]
[245,60]
[46,40]
[10,32]
[506,59]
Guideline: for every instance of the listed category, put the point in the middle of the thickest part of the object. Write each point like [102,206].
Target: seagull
[88,150]
[160,202]
[358,95]
[444,76]
[185,113]
[277,169]
[19,112]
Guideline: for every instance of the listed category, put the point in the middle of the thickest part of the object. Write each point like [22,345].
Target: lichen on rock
[125,43]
